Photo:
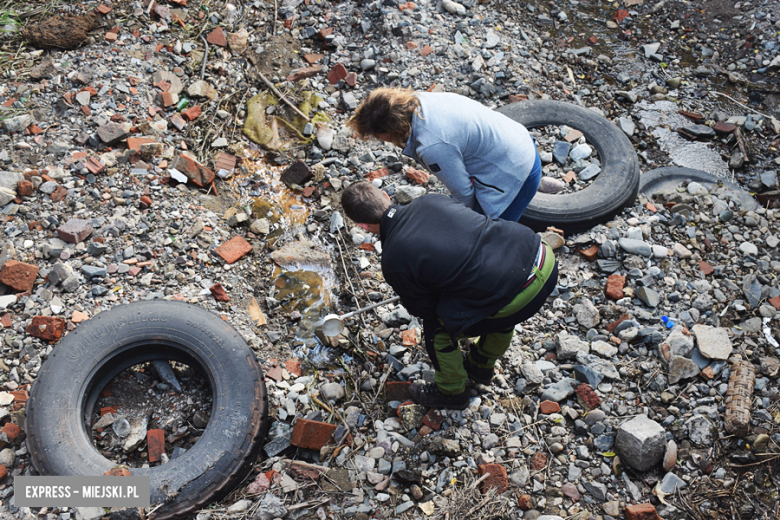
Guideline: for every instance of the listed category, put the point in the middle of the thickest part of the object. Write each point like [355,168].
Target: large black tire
[614,188]
[71,379]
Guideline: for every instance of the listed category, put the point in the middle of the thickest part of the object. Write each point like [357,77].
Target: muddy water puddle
[663,119]
[304,291]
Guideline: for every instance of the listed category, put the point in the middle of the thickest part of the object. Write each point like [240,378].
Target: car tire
[614,188]
[69,383]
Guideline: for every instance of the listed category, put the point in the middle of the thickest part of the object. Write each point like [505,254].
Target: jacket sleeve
[418,300]
[446,162]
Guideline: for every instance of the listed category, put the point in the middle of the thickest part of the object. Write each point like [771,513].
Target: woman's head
[386,114]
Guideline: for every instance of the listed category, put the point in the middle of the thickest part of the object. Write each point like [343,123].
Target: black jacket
[446,261]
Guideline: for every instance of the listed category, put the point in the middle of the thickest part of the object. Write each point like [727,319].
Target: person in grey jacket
[486,160]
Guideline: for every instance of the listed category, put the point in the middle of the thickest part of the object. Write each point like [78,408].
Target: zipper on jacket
[487,185]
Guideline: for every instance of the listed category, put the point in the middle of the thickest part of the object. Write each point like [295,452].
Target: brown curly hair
[386,111]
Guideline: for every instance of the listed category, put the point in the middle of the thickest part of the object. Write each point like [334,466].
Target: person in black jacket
[462,273]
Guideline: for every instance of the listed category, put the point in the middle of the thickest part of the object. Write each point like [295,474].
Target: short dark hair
[364,203]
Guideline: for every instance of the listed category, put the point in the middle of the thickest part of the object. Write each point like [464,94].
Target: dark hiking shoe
[479,375]
[429,395]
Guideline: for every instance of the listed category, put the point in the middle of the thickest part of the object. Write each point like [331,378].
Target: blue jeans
[527,192]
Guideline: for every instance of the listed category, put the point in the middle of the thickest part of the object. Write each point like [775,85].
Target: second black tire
[614,188]
[69,383]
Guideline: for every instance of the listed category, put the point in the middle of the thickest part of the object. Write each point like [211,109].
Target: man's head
[386,114]
[365,204]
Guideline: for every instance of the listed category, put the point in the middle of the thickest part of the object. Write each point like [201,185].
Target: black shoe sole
[449,406]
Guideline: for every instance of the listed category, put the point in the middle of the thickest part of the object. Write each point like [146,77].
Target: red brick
[591,253]
[155,444]
[293,366]
[311,59]
[615,284]
[588,396]
[11,431]
[6,322]
[641,512]
[192,113]
[20,396]
[59,194]
[307,72]
[397,391]
[311,435]
[301,470]
[217,37]
[538,461]
[724,128]
[18,276]
[47,328]
[24,188]
[376,174]
[514,98]
[94,165]
[409,337]
[167,99]
[111,37]
[569,177]
[324,33]
[297,173]
[651,207]
[497,478]
[775,302]
[525,502]
[706,268]
[548,407]
[134,143]
[232,250]
[426,50]
[194,171]
[219,293]
[3,472]
[409,5]
[337,73]
[418,176]
[411,46]
[225,161]
[351,79]
[117,472]
[145,201]
[74,230]
[433,419]
[612,326]
[103,9]
[260,484]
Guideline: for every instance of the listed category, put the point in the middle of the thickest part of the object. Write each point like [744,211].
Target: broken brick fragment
[775,302]
[192,113]
[433,419]
[193,170]
[548,407]
[590,253]
[306,72]
[426,50]
[612,326]
[24,188]
[234,249]
[409,337]
[525,502]
[311,435]
[615,284]
[293,366]
[418,176]
[297,173]
[11,431]
[155,444]
[75,230]
[217,37]
[47,328]
[219,293]
[377,174]
[588,396]
[497,479]
[337,73]
[706,268]
[641,512]
[18,275]
[538,461]
[397,391]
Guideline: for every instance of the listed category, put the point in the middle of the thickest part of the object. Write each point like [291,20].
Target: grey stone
[650,49]
[568,346]
[641,442]
[17,124]
[752,290]
[682,368]
[648,296]
[399,316]
[332,391]
[700,430]
[9,180]
[560,390]
[270,507]
[406,194]
[635,247]
[551,185]
[627,125]
[89,513]
[671,483]
[588,315]
[590,172]
[597,489]
[561,152]
[581,151]
[713,343]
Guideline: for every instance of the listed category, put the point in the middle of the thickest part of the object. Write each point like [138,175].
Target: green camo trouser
[495,333]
